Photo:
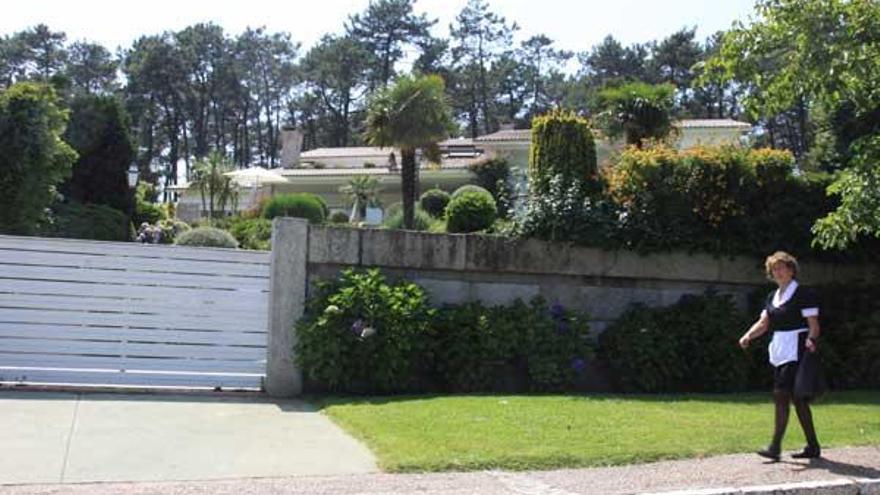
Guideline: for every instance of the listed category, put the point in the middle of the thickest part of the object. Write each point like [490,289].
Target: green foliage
[637,111]
[78,221]
[434,202]
[493,174]
[687,347]
[510,348]
[338,217]
[470,211]
[207,237]
[252,233]
[363,334]
[421,220]
[99,132]
[562,145]
[146,209]
[299,205]
[33,158]
[469,188]
[362,191]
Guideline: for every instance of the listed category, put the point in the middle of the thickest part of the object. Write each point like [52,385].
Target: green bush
[363,334]
[393,209]
[338,217]
[470,212]
[434,202]
[519,347]
[421,220]
[493,174]
[207,237]
[252,233]
[469,188]
[687,347]
[163,232]
[562,145]
[77,221]
[299,205]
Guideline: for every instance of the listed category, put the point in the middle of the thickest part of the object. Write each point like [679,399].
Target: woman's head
[781,266]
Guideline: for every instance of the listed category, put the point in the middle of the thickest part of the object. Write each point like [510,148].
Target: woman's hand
[811,345]
[744,341]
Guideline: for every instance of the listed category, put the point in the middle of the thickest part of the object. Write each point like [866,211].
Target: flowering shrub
[361,334]
[510,348]
[690,346]
[162,232]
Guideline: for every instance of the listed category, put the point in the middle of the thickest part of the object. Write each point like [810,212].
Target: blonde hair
[781,257]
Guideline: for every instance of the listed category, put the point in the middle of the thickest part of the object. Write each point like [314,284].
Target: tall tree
[33,157]
[672,61]
[638,111]
[99,132]
[412,114]
[609,62]
[45,51]
[91,68]
[385,29]
[540,62]
[479,38]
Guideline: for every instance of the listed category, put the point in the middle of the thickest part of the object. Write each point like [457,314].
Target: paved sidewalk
[741,473]
[52,437]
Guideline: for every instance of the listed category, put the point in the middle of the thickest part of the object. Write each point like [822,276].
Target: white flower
[331,310]
[368,332]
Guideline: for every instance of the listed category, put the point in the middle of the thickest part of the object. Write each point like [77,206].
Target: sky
[574,25]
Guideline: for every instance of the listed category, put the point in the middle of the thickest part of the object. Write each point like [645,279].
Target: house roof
[712,124]
[459,141]
[447,164]
[350,152]
[509,135]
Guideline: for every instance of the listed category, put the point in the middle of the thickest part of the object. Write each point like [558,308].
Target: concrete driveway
[56,437]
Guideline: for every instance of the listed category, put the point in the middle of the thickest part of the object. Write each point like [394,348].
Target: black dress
[787,313]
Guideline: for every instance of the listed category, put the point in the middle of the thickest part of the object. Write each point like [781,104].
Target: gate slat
[232,353]
[124,278]
[166,365]
[161,320]
[62,377]
[70,332]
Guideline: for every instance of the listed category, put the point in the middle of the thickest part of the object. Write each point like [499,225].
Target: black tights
[782,399]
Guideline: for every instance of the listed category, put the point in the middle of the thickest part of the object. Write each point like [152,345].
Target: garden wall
[455,268]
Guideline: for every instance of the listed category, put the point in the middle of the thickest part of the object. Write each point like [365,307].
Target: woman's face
[781,273]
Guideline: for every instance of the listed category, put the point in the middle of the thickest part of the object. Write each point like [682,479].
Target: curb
[859,486]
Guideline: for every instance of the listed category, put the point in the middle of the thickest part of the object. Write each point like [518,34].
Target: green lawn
[543,432]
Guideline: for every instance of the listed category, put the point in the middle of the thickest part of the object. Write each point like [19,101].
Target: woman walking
[791,312]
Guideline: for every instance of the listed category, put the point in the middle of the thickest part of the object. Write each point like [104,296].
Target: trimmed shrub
[434,202]
[470,212]
[562,145]
[493,174]
[687,347]
[207,237]
[363,334]
[421,220]
[469,188]
[338,217]
[299,205]
[78,221]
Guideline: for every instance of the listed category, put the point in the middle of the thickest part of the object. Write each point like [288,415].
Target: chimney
[291,146]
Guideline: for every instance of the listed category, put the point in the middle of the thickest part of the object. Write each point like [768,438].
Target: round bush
[252,233]
[421,220]
[338,217]
[471,211]
[207,237]
[434,202]
[90,221]
[300,205]
[470,188]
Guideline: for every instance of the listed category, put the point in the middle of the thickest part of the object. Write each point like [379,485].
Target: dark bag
[809,383]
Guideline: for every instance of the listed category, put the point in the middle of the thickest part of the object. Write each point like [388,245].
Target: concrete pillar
[290,237]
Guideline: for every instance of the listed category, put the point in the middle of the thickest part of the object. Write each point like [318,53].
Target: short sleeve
[809,303]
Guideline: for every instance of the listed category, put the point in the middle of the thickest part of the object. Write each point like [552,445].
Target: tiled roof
[460,141]
[447,164]
[351,152]
[515,135]
[712,124]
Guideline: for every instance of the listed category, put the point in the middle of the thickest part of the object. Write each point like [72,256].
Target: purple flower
[357,327]
[578,364]
[557,310]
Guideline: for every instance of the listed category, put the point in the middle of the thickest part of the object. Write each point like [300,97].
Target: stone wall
[457,268]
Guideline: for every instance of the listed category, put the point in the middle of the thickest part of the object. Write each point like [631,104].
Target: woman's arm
[757,329]
[813,335]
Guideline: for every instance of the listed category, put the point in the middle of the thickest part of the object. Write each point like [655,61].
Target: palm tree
[412,114]
[215,188]
[361,191]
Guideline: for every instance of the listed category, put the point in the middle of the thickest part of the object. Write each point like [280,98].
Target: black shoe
[808,453]
[769,453]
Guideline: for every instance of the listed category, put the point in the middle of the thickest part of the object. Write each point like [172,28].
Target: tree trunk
[409,185]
